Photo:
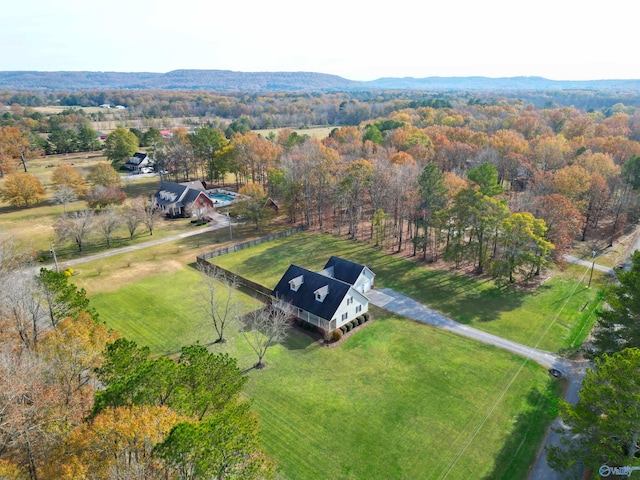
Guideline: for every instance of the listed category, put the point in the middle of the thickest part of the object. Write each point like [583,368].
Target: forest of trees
[467,180]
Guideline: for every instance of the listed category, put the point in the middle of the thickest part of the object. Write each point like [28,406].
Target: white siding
[350,310]
[364,283]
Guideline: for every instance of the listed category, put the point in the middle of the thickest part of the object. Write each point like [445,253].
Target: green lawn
[398,399]
[163,312]
[549,317]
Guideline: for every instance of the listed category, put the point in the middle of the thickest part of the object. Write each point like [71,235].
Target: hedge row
[347,327]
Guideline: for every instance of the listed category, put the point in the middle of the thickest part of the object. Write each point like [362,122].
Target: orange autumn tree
[67,175]
[117,443]
[14,149]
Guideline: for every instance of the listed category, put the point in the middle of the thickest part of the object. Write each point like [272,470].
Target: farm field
[313,132]
[409,400]
[554,316]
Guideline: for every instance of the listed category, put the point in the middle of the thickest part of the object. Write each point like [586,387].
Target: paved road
[587,263]
[219,221]
[540,469]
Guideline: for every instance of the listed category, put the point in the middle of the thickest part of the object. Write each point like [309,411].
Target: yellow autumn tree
[117,443]
[22,190]
[67,175]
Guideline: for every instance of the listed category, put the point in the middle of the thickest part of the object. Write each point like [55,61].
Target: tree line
[576,171]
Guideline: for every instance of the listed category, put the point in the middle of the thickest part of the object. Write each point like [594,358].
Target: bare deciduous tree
[13,255]
[21,309]
[76,226]
[64,194]
[151,216]
[219,303]
[133,215]
[264,327]
[108,222]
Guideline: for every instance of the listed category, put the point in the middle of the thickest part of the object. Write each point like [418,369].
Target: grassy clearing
[313,132]
[549,317]
[397,400]
[162,311]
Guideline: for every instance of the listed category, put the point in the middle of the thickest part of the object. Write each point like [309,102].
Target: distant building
[137,161]
[181,199]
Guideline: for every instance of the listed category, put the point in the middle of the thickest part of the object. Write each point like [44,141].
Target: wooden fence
[257,241]
[217,271]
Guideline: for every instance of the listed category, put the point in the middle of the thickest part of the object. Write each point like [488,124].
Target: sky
[355,39]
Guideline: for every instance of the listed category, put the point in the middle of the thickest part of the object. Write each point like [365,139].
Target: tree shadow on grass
[521,447]
[297,339]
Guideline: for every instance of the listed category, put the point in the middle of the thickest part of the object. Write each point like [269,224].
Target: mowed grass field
[552,316]
[398,399]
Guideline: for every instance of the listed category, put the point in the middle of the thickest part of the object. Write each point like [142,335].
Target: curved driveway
[402,305]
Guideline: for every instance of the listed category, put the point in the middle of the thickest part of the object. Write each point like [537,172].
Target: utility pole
[593,264]
[55,258]
[230,232]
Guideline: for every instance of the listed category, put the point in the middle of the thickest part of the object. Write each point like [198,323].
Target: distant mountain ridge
[227,80]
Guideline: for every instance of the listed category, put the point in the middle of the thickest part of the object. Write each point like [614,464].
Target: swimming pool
[221,197]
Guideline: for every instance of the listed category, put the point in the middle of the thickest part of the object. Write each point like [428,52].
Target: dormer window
[295,283]
[321,293]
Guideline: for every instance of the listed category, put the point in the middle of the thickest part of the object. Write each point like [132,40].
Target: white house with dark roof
[137,161]
[359,276]
[322,299]
[176,199]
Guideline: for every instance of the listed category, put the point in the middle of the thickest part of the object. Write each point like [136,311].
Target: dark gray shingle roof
[305,297]
[344,269]
[136,159]
[169,193]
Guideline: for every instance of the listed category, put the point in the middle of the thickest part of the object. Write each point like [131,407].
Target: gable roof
[344,270]
[192,195]
[195,184]
[171,193]
[305,296]
[137,158]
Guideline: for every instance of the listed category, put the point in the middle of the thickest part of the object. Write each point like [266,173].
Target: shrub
[366,316]
[336,334]
[360,320]
[348,326]
[354,323]
[343,329]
